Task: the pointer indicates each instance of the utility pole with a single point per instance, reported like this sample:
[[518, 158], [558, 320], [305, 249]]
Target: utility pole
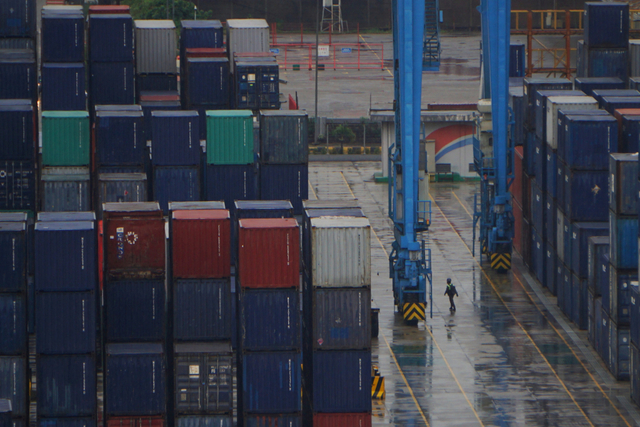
[[315, 127]]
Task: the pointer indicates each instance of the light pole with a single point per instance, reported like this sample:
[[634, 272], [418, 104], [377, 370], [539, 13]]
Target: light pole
[[195, 12]]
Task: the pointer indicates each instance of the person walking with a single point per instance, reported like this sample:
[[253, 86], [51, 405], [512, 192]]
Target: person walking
[[451, 292]]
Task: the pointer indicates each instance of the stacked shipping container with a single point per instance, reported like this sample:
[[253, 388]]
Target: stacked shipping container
[[156, 47]]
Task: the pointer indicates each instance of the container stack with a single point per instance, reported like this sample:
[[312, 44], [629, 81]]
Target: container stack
[[13, 315], [175, 156], [231, 172], [605, 49], [336, 321], [66, 320], [623, 256], [135, 315], [202, 323], [629, 127], [598, 282], [256, 81], [156, 49], [269, 336], [111, 55], [589, 84], [284, 157]]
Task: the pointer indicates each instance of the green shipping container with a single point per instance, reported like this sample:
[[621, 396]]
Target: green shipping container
[[65, 138], [229, 137]]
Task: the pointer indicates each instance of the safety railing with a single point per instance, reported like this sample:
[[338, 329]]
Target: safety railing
[[338, 56], [424, 215]]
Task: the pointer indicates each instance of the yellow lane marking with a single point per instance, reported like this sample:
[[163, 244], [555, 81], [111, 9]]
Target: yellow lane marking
[[376, 54], [461, 204], [542, 312], [350, 191], [564, 386], [312, 190]]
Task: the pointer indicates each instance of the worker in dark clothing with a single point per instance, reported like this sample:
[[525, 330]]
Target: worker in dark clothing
[[451, 291]]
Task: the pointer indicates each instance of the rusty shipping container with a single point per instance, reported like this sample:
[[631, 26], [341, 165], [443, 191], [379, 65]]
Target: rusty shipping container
[[139, 421], [134, 240], [269, 253], [201, 244]]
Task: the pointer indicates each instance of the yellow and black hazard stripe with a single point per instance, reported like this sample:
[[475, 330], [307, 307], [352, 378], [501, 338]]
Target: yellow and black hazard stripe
[[501, 262], [377, 385], [413, 311]]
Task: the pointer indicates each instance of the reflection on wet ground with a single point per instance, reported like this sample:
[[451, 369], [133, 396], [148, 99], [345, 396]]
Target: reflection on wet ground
[[506, 357]]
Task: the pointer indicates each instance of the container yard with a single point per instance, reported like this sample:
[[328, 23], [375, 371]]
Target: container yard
[[181, 245]]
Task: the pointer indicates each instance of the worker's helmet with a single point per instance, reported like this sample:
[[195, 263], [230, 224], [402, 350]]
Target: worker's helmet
[[448, 280]]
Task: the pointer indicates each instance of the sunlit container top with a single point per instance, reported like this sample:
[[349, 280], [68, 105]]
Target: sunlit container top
[[156, 46], [132, 107], [66, 216], [340, 252], [13, 216], [174, 206], [108, 9], [138, 207], [331, 204], [230, 137], [263, 205]]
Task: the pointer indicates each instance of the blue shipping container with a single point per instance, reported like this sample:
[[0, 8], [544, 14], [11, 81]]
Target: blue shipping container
[[538, 206], [534, 84], [580, 233], [62, 35], [624, 241], [67, 422], [207, 82], [156, 82], [18, 74], [586, 195], [63, 87], [598, 246], [516, 60], [175, 138], [605, 351], [66, 322], [529, 158], [541, 109], [13, 324], [606, 62], [629, 134], [119, 138], [612, 103], [112, 83], [588, 84], [600, 94], [231, 182], [619, 346], [135, 379], [603, 282], [135, 311], [13, 383], [279, 420], [550, 259], [17, 125], [341, 381], [540, 162], [552, 172], [516, 102], [271, 381], [579, 302], [175, 184], [606, 25], [110, 38], [13, 256], [560, 167], [201, 34], [149, 106], [550, 221], [221, 420], [285, 182], [623, 185], [533, 267], [587, 142], [619, 288], [284, 138], [66, 256], [202, 310], [634, 313], [17, 18], [66, 385], [269, 319], [634, 373]]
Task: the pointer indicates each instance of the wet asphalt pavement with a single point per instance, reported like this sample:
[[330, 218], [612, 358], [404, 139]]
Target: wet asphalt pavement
[[507, 357]]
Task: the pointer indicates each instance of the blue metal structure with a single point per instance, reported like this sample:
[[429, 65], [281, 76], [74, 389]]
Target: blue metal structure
[[496, 172], [409, 261], [431, 40]]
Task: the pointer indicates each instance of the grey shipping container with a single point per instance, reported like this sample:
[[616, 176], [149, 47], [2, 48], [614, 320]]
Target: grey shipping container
[[284, 137], [121, 187], [203, 377], [220, 420], [202, 310], [66, 189], [156, 46], [65, 216], [65, 322], [246, 35], [13, 383]]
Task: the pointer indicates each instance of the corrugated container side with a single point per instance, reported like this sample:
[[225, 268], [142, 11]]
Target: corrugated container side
[[285, 182], [121, 187], [203, 375], [65, 256], [284, 137], [608, 62], [201, 246], [551, 276], [270, 382], [269, 319], [231, 182], [205, 421], [552, 172], [619, 294], [19, 79], [67, 422], [17, 18], [606, 25], [588, 142], [586, 195], [560, 236], [66, 322], [580, 234], [175, 138], [64, 87], [634, 313], [341, 252], [66, 189], [550, 220], [146, 421], [111, 38], [17, 125], [112, 83], [598, 246], [342, 420], [65, 138], [341, 381], [13, 383], [624, 243], [207, 82], [516, 60], [564, 103], [269, 253], [201, 34], [175, 184], [602, 284], [623, 185], [273, 420], [537, 206], [629, 134], [13, 324], [202, 310], [247, 38], [13, 256], [62, 36], [230, 138], [66, 385], [619, 348], [135, 380], [612, 103], [539, 254], [634, 370], [17, 185], [156, 47], [135, 311]]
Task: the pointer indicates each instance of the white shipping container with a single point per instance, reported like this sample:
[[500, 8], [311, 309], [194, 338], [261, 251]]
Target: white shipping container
[[564, 103], [246, 35], [340, 252], [156, 47], [634, 58]]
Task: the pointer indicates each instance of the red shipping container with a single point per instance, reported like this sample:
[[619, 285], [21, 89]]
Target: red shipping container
[[269, 253], [142, 421], [134, 240], [516, 185], [342, 420], [517, 226], [146, 97], [206, 52], [201, 244], [109, 9]]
